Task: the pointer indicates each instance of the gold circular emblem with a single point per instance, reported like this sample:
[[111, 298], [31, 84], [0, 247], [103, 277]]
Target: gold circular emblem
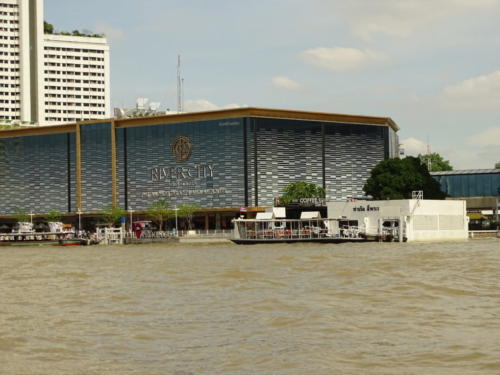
[[181, 148]]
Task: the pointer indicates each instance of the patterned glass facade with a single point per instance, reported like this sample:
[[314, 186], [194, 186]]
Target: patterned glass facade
[[37, 174], [212, 176], [469, 185], [222, 163], [96, 166]]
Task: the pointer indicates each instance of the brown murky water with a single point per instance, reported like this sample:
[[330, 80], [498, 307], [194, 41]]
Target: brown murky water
[[227, 309]]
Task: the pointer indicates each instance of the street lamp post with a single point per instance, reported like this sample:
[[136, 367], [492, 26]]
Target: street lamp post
[[131, 211], [176, 232], [31, 217]]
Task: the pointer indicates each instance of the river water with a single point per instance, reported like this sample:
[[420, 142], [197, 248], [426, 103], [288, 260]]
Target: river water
[[368, 308]]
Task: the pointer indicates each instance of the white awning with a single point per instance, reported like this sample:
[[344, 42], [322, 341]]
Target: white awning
[[310, 215], [265, 216], [279, 212]]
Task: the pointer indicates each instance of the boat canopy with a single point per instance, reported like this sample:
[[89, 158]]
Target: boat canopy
[[310, 215], [279, 212], [265, 216]]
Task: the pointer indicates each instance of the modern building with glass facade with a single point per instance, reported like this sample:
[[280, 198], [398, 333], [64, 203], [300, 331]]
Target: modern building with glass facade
[[480, 188], [219, 160], [469, 182]]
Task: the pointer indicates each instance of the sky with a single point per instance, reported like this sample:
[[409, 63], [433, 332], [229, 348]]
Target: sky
[[433, 66]]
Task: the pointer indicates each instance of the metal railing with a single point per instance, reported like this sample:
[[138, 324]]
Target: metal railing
[[211, 233], [149, 234]]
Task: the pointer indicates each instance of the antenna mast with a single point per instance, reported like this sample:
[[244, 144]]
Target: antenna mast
[[429, 162], [180, 89]]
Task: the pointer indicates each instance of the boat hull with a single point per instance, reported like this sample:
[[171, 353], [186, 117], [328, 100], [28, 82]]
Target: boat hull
[[291, 240]]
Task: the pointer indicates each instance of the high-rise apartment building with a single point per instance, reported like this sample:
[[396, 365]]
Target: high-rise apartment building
[[76, 78], [49, 78]]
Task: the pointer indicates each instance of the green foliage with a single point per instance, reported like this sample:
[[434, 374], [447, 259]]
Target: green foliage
[[80, 33], [111, 215], [397, 178], [300, 189], [159, 212], [187, 211], [54, 216], [436, 161], [497, 165], [48, 28], [21, 216], [5, 125]]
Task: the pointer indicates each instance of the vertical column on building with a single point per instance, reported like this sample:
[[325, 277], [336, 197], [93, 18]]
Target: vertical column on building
[[78, 176], [207, 222], [114, 185], [24, 60], [36, 59]]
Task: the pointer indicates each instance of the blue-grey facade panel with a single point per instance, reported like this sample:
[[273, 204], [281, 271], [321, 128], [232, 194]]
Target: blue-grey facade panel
[[96, 166], [211, 177], [351, 152], [35, 173], [470, 185]]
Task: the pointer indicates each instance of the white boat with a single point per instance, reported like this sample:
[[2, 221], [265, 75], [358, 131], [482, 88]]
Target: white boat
[[267, 228]]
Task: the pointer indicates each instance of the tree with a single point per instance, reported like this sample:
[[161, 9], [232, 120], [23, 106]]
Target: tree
[[48, 28], [159, 212], [186, 211], [21, 216], [437, 163], [497, 165], [112, 215], [53, 217], [300, 189], [397, 178]]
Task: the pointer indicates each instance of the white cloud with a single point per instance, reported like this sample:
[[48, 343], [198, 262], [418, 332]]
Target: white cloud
[[481, 152], [474, 158], [402, 18], [487, 138], [285, 83], [413, 146], [111, 33], [481, 92], [201, 105], [343, 59]]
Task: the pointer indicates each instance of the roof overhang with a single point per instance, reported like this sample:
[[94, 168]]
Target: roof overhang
[[206, 116]]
